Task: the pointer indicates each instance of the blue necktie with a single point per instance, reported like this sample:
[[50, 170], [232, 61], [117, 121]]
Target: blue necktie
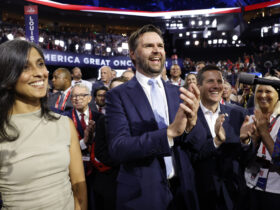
[[160, 115]]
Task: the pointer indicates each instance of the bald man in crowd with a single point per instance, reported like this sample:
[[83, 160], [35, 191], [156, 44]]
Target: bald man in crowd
[[106, 77], [61, 100], [128, 74]]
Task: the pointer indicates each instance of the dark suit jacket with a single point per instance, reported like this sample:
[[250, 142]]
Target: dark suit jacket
[[219, 172], [53, 98], [234, 102], [139, 146], [104, 183]]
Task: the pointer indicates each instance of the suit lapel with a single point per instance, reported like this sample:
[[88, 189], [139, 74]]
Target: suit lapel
[[172, 104], [140, 100], [203, 121], [224, 110]]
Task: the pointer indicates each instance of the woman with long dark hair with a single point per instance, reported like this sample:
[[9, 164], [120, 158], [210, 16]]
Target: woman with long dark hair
[[40, 159]]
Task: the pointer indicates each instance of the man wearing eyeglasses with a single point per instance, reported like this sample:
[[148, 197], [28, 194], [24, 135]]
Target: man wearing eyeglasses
[[84, 120]]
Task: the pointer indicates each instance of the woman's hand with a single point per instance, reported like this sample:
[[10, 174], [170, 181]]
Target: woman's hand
[[247, 130], [219, 130], [262, 122]]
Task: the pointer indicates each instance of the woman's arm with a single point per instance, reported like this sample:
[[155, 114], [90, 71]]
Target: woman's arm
[[76, 170]]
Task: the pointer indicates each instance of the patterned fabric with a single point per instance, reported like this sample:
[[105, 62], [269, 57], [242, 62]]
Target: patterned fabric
[[276, 150]]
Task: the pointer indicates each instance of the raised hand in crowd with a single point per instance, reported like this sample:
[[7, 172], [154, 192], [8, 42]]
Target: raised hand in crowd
[[186, 116], [247, 130], [89, 131], [219, 130], [262, 126]]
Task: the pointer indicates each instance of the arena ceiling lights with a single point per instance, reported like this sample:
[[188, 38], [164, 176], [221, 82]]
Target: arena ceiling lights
[[165, 14]]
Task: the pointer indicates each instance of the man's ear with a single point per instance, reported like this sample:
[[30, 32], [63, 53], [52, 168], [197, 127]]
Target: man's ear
[[132, 55], [90, 98]]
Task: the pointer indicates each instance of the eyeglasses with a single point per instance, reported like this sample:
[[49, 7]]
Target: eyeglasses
[[80, 96]]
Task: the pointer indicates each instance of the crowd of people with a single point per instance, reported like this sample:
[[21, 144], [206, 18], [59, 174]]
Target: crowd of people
[[262, 56], [71, 41], [148, 139]]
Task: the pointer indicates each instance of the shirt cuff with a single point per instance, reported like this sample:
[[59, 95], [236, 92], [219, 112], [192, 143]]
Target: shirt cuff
[[246, 145], [170, 142], [215, 145], [82, 144]]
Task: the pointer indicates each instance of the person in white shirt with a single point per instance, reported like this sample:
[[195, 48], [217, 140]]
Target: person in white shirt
[[77, 78], [145, 121], [175, 75], [218, 165], [263, 173]]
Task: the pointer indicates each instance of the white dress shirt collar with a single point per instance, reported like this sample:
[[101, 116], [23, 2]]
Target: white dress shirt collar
[[66, 91], [205, 110], [210, 117], [143, 80]]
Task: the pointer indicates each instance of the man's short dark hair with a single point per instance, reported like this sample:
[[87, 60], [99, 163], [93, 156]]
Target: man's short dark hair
[[204, 69], [99, 88], [133, 39]]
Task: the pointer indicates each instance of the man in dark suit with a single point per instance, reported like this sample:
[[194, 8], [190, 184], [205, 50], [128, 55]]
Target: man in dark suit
[[218, 164], [61, 101], [146, 136]]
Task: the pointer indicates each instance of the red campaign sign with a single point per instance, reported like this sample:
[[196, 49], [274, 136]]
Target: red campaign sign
[[31, 10]]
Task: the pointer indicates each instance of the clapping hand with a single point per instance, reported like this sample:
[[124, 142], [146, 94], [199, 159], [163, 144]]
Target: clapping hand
[[186, 116], [89, 131], [219, 130], [247, 130]]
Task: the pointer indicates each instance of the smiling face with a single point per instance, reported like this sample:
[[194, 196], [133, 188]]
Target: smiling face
[[175, 71], [211, 89], [33, 81], [266, 98], [149, 55], [191, 78]]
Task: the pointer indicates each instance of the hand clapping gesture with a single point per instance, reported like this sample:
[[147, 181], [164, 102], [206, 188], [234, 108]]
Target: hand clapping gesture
[[186, 116], [89, 131], [219, 130], [247, 130]]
